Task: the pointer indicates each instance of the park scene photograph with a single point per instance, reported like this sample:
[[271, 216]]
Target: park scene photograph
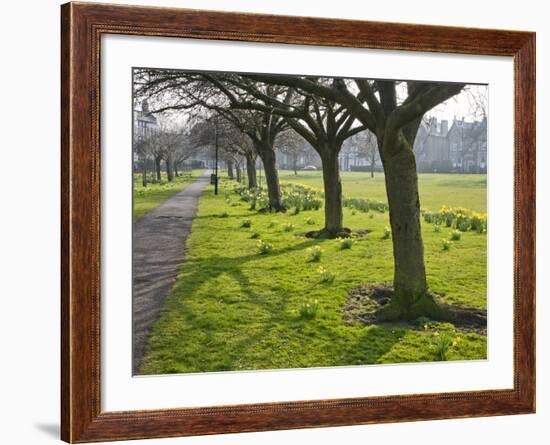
[[286, 221]]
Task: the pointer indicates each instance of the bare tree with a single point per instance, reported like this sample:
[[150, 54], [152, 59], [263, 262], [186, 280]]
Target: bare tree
[[326, 112], [395, 122], [294, 146], [322, 122], [177, 90], [363, 145]]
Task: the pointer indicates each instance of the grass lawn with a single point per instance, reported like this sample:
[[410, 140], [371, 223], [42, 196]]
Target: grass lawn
[[453, 190], [233, 308], [147, 198]]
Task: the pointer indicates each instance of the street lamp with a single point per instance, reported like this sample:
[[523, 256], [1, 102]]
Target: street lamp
[[217, 149], [214, 177]]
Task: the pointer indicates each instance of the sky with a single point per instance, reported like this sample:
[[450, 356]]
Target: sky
[[471, 104]]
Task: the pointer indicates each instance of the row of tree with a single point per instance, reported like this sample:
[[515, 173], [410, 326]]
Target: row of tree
[[253, 111]]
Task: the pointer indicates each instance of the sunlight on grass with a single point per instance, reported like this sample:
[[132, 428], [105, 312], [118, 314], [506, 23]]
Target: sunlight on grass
[[436, 190], [147, 198], [234, 308]]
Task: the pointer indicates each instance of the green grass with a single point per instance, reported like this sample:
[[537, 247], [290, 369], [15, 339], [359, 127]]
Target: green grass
[[233, 308], [147, 198], [456, 190]]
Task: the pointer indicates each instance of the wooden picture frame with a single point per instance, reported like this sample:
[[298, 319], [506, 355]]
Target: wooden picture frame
[[82, 26]]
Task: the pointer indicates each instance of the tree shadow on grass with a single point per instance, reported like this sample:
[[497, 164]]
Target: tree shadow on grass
[[194, 274], [372, 345]]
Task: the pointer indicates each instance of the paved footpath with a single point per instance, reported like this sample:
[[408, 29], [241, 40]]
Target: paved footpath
[[158, 251]]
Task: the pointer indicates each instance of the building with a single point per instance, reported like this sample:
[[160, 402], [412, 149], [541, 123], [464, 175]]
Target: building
[[468, 146], [145, 126], [360, 153], [145, 123], [460, 148]]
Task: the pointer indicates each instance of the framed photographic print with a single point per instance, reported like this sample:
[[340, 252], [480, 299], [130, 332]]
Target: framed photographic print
[[278, 222]]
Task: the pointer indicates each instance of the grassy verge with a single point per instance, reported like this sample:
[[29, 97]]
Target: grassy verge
[[234, 308], [147, 198], [452, 190]]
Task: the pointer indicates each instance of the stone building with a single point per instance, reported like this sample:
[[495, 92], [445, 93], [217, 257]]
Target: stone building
[[145, 126], [460, 148], [145, 123]]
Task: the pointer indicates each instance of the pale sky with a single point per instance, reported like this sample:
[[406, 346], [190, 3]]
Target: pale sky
[[471, 103]]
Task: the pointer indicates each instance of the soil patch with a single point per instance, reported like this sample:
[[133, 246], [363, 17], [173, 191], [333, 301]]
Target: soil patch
[[364, 300], [345, 233]]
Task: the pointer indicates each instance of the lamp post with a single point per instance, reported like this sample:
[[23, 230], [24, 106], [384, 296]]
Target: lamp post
[[217, 149]]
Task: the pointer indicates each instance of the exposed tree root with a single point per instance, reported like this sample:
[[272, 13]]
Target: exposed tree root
[[345, 232], [372, 304]]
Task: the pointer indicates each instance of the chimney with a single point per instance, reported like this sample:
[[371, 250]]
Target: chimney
[[444, 127], [433, 125], [145, 106]]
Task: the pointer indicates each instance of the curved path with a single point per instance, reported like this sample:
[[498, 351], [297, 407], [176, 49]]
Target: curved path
[[158, 250]]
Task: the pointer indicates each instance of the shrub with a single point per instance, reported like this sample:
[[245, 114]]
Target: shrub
[[463, 225], [288, 227], [310, 221], [353, 212], [264, 247], [364, 205], [271, 225], [455, 235], [346, 243], [224, 215], [255, 235], [257, 198], [441, 345], [246, 223], [437, 228], [309, 309], [387, 233], [296, 210], [446, 244], [423, 322], [371, 215], [477, 224], [301, 197], [326, 275], [458, 217], [314, 254]]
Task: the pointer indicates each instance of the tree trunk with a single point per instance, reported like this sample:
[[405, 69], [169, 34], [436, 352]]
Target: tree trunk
[[169, 173], [176, 172], [230, 169], [295, 160], [271, 178], [251, 172], [238, 172], [372, 168], [157, 167], [411, 298], [333, 194], [144, 173]]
